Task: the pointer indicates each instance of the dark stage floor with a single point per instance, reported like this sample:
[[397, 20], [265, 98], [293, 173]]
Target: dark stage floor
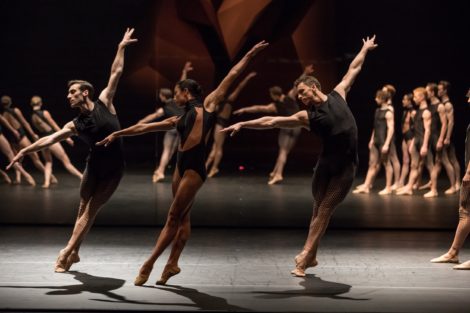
[[234, 270], [240, 200]]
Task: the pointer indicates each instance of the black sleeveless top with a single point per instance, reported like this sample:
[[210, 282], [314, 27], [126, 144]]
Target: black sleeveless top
[[410, 132], [334, 122], [435, 120], [380, 126], [40, 114], [287, 107], [419, 124], [94, 126]]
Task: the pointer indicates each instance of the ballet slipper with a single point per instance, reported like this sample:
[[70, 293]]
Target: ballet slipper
[[445, 258], [60, 263], [405, 192], [168, 272], [275, 179], [361, 190], [450, 191], [430, 194], [385, 191], [463, 266], [213, 172], [142, 277], [73, 258], [157, 177]]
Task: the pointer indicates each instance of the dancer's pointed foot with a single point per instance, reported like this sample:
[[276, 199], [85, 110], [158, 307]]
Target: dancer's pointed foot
[[446, 258], [169, 271], [73, 258], [30, 181], [54, 180], [213, 172], [450, 191], [6, 178], [275, 179], [143, 276], [425, 186], [463, 266], [60, 263], [431, 194], [157, 177], [361, 190], [302, 262], [405, 192], [385, 191]]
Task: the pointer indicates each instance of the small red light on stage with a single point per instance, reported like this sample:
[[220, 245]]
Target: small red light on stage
[[241, 168]]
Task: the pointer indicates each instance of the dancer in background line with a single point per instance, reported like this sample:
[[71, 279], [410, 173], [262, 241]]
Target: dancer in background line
[[194, 128], [171, 138], [105, 166], [45, 125], [407, 131], [224, 112], [328, 116]]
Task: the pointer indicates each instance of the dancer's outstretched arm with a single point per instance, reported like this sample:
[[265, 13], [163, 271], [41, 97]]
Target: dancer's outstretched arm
[[234, 95], [355, 67], [54, 125], [107, 94], [44, 142], [299, 119], [215, 97], [152, 116], [139, 129], [263, 108]]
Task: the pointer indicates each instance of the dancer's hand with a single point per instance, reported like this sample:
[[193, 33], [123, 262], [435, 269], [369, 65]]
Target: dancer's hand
[[235, 128], [385, 149], [257, 48], [439, 145], [107, 141], [423, 151], [18, 158], [188, 67], [238, 112], [251, 75], [446, 142], [309, 69], [127, 40], [369, 43], [70, 142]]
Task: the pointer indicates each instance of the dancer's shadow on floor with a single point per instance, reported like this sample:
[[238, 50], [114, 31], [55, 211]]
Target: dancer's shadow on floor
[[314, 287], [202, 301], [88, 283]]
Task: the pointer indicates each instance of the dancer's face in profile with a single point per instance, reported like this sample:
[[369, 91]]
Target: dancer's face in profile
[[468, 96], [418, 97], [181, 96], [274, 97], [440, 90], [76, 96], [308, 94], [406, 101]]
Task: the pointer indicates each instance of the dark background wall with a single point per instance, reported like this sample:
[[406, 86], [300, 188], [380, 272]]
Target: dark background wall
[[46, 43]]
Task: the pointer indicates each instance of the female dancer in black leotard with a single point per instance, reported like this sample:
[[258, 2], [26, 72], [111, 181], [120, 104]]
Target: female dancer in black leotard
[[171, 138], [190, 173], [105, 166], [407, 130], [282, 105], [224, 112], [45, 125], [328, 116], [7, 150]]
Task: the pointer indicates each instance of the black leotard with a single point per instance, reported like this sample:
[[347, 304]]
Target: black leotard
[[380, 127], [419, 128], [172, 109], [409, 134], [435, 125], [94, 126], [334, 122], [195, 157], [8, 134], [40, 114]]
